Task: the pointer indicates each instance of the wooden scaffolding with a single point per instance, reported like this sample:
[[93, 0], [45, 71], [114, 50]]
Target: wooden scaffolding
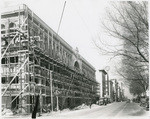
[[30, 70]]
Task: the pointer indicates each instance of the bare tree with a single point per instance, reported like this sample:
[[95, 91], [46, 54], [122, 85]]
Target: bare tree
[[128, 22], [136, 88]]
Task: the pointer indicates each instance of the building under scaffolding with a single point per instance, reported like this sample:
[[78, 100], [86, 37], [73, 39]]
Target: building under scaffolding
[[36, 61]]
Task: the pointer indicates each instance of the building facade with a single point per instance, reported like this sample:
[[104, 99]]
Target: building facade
[[115, 86], [111, 91], [37, 61], [104, 81], [118, 90]]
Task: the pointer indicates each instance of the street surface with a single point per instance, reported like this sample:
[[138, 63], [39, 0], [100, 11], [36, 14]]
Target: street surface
[[114, 110]]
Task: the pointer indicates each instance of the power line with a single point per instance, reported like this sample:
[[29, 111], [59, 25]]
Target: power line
[[84, 22], [61, 17]]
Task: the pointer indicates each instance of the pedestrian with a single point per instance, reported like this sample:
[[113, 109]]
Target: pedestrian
[[90, 105], [35, 108], [105, 101]]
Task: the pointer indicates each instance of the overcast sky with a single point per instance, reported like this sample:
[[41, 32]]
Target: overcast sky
[[79, 26]]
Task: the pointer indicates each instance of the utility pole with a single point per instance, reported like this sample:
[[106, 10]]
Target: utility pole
[[57, 103], [61, 17], [57, 100], [51, 85]]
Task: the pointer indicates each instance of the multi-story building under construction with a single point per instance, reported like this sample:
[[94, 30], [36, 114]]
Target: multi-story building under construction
[[37, 61]]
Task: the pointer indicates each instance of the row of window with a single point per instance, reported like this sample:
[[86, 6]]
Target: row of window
[[9, 59], [88, 72], [11, 25], [55, 45], [5, 80], [36, 23]]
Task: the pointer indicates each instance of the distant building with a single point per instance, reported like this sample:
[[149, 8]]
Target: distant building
[[121, 97], [118, 90], [104, 81], [115, 87], [111, 91]]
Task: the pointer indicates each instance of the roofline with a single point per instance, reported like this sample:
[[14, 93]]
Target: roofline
[[102, 70], [69, 47]]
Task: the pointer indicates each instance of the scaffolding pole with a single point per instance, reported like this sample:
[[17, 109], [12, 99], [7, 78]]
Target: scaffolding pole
[[51, 85]]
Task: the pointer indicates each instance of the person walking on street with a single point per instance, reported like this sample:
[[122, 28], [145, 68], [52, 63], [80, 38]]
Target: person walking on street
[[35, 108], [105, 101], [90, 105]]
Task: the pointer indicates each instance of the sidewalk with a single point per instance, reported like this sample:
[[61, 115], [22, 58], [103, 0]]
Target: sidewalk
[[55, 113], [29, 115]]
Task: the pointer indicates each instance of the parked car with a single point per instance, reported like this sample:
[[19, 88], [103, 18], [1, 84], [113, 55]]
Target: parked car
[[128, 101], [147, 106], [144, 102], [109, 100], [101, 101], [105, 101]]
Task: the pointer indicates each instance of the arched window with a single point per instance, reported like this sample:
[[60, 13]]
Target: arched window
[[76, 65], [2, 26], [11, 25]]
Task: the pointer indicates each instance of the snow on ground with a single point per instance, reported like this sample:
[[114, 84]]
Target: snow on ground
[[8, 113], [85, 112]]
